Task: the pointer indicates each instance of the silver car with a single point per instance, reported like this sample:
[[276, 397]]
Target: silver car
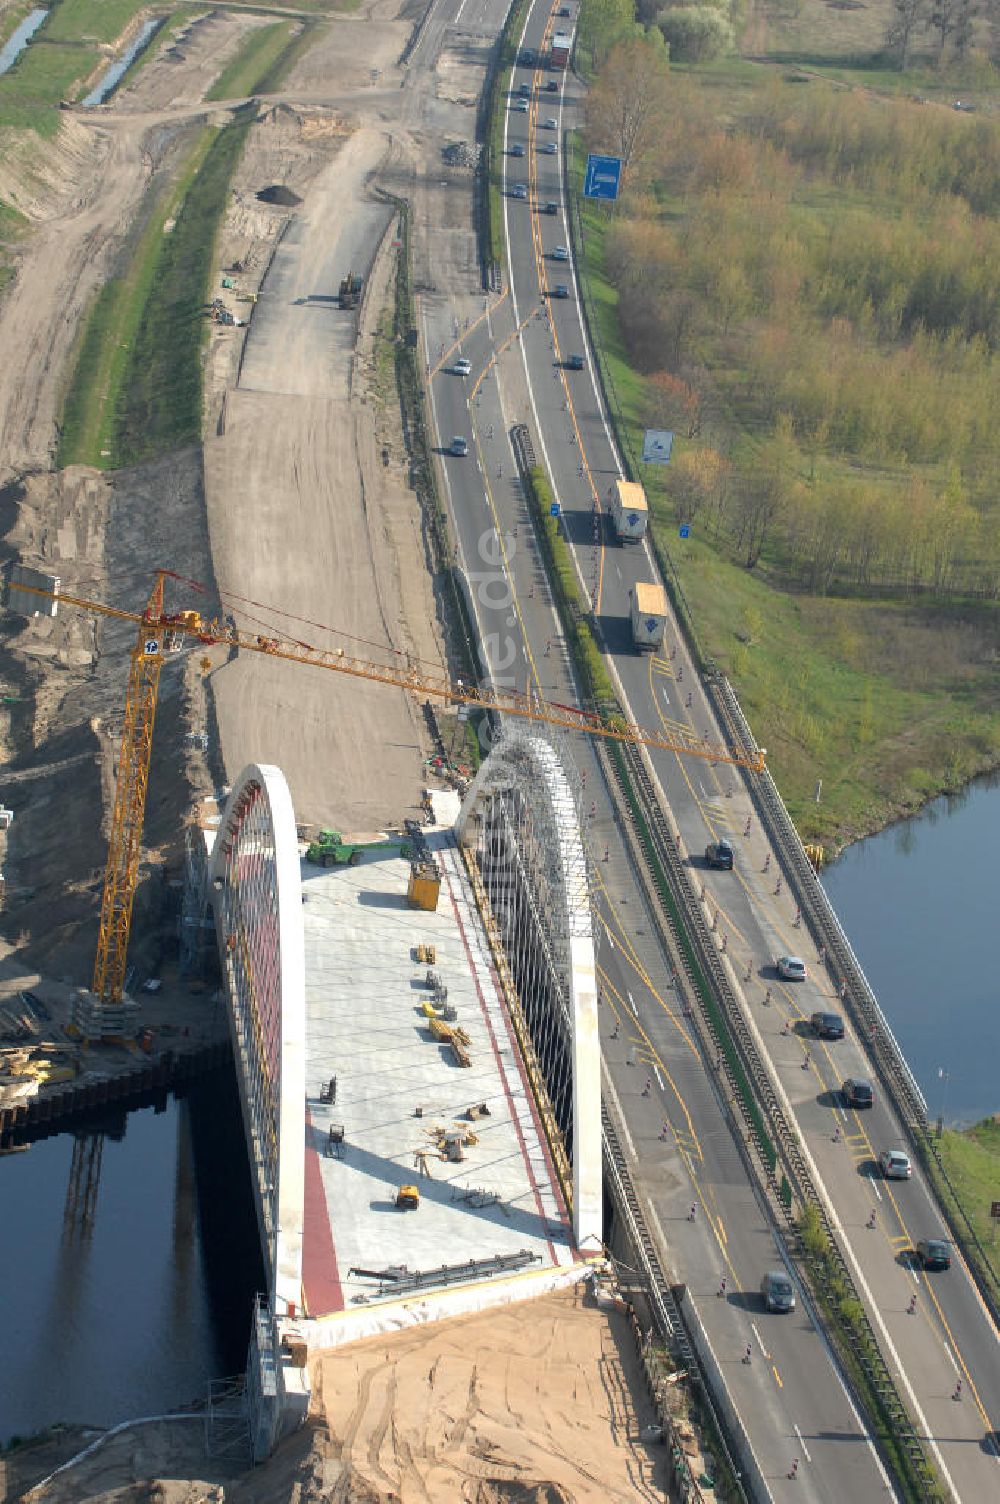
[[778, 1291], [791, 968], [895, 1165]]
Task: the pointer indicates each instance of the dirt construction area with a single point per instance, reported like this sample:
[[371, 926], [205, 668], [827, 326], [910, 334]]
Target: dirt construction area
[[534, 1404]]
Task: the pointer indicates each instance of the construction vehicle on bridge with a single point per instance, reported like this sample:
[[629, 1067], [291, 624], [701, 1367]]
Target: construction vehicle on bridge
[[331, 849], [160, 634]]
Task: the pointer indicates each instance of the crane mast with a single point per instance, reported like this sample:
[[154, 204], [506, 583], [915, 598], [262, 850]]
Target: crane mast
[[131, 783]]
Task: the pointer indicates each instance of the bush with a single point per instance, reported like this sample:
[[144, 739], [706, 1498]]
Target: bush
[[696, 33]]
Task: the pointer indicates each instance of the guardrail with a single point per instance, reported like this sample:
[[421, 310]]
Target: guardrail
[[783, 1171], [857, 994], [666, 1310]]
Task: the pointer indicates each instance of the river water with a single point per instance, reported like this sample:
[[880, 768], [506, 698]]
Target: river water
[[134, 1313], [919, 903]]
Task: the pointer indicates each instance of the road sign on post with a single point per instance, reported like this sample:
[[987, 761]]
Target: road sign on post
[[602, 177], [657, 444], [554, 509]]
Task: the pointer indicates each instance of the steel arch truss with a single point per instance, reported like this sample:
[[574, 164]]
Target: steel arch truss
[[521, 823], [254, 881]]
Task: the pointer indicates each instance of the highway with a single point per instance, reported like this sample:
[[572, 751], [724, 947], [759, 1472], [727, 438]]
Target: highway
[[944, 1350]]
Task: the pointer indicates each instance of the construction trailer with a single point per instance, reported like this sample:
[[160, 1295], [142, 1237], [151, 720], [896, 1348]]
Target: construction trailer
[[628, 510], [649, 615]]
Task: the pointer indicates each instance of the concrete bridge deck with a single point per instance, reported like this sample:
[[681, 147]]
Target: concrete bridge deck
[[398, 1091]]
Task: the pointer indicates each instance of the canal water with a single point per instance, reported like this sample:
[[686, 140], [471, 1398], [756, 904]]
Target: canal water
[[920, 906], [129, 1313]]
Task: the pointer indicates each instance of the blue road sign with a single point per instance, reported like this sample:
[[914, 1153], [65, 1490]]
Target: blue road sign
[[602, 177], [554, 509], [684, 530]]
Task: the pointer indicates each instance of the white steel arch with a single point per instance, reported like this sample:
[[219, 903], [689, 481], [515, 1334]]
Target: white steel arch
[[529, 766], [254, 881]]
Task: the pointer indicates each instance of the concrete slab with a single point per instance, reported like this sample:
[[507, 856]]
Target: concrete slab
[[365, 1027]]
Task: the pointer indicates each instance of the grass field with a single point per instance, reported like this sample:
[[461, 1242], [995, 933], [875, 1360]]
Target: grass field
[[972, 1159], [887, 701], [256, 57], [63, 53], [136, 388]]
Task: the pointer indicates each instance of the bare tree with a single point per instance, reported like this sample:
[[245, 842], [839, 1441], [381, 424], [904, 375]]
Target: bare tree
[[907, 17], [628, 106]]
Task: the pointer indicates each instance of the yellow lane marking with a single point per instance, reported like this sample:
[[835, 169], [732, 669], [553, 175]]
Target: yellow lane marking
[[457, 343], [908, 1240], [655, 1058], [777, 1375], [645, 979]]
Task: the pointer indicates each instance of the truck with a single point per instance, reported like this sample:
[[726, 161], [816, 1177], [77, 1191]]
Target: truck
[[628, 510], [350, 290], [331, 849], [649, 615], [562, 46]]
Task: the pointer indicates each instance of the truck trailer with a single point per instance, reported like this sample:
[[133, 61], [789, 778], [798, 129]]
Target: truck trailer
[[562, 46], [649, 615], [628, 510]]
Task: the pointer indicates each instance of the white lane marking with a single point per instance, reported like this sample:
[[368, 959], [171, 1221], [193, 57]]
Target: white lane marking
[[702, 788], [760, 1344], [659, 1078], [805, 1449]]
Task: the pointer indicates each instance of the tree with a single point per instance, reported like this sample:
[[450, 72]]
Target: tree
[[695, 479], [629, 105], [765, 489], [907, 17], [604, 23], [696, 33]]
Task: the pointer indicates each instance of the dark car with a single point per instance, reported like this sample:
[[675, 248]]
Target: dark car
[[720, 854], [560, 291], [827, 1025], [858, 1092], [575, 362], [934, 1253], [778, 1291], [525, 91], [551, 207], [552, 87], [517, 150]]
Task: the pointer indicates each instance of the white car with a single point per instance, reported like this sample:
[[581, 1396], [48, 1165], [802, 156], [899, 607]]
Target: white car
[[551, 124], [895, 1165], [462, 367], [560, 253], [549, 148], [520, 106], [791, 968]]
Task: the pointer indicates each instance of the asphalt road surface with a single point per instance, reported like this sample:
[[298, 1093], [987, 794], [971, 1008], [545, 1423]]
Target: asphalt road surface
[[790, 1396]]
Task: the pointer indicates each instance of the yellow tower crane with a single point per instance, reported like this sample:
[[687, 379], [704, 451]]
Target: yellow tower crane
[[160, 632]]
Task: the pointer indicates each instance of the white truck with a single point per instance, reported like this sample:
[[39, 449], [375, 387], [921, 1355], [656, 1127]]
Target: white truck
[[649, 615], [628, 510]]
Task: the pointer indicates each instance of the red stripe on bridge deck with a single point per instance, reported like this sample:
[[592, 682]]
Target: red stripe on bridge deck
[[321, 1285]]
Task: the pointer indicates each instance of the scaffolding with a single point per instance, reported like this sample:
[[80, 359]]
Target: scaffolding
[[196, 929]]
